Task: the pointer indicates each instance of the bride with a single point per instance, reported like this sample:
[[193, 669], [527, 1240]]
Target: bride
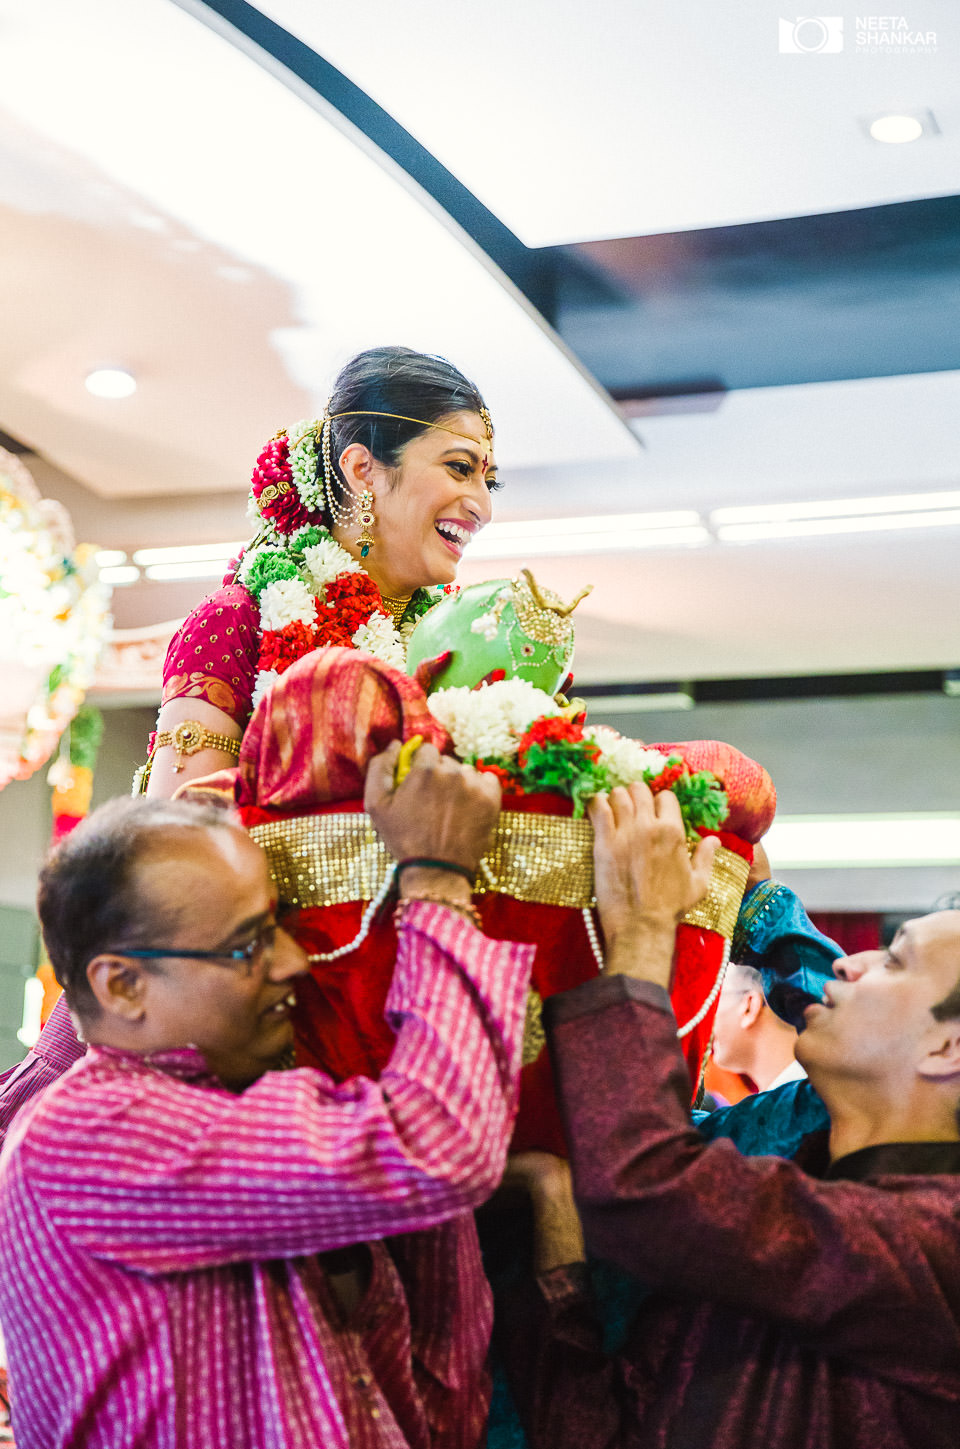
[[363, 515]]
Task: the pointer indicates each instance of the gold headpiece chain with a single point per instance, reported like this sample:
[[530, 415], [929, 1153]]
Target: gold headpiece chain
[[402, 418], [372, 413]]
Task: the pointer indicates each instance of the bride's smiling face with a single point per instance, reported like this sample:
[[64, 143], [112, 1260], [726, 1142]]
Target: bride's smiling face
[[427, 510]]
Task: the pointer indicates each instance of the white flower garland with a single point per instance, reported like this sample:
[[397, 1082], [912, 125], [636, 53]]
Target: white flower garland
[[266, 679], [321, 558], [307, 479], [379, 638], [627, 760], [490, 720], [288, 601]]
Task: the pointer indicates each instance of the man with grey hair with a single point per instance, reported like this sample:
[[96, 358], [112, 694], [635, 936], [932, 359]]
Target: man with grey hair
[[748, 1037]]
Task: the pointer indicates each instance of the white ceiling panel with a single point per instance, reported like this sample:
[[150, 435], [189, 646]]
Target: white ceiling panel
[[575, 121], [170, 206]]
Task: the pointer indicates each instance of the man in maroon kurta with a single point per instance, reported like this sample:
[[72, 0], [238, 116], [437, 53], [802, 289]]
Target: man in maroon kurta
[[793, 1305]]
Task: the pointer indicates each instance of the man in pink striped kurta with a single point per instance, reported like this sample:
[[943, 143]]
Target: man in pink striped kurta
[[176, 1220]]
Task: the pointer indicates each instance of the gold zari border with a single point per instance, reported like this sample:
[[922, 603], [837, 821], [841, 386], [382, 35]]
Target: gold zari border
[[327, 860], [720, 906], [324, 860]]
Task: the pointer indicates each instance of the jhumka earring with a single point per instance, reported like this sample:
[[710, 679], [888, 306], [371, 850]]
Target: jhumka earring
[[367, 521]]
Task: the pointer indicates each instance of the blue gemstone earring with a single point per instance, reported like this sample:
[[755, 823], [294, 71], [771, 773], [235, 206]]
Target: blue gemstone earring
[[367, 521]]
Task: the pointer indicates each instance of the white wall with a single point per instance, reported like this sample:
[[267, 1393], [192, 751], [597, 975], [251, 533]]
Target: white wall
[[873, 754], [25, 821]]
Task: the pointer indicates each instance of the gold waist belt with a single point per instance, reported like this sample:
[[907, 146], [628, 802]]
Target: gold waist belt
[[327, 860]]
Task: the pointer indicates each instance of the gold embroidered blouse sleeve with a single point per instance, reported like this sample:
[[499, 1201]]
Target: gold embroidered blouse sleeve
[[165, 778]]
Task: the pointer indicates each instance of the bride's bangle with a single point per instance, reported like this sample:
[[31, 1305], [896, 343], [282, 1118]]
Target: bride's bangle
[[469, 912], [190, 737]]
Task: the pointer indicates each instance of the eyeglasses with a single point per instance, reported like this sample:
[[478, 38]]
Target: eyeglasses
[[260, 947]]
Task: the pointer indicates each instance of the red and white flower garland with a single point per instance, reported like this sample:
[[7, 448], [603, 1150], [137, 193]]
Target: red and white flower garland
[[532, 744]]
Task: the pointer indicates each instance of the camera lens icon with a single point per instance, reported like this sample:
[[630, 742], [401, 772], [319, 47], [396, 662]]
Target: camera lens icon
[[812, 35]]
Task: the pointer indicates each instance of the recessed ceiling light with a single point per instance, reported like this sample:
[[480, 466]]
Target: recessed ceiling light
[[894, 130], [112, 382], [901, 126]]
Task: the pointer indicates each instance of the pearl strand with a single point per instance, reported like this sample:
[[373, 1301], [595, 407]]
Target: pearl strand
[[593, 937], [694, 1021], [366, 921], [340, 514], [717, 986]]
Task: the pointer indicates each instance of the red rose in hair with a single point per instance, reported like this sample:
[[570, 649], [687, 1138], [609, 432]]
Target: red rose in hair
[[272, 471]]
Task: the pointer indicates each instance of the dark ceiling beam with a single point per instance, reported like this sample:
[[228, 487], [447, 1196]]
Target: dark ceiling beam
[[525, 267], [799, 686]]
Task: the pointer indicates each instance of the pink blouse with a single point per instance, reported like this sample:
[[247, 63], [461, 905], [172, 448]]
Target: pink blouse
[[214, 654]]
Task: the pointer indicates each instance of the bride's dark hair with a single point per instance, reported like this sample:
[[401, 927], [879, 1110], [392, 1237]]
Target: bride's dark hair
[[415, 385]]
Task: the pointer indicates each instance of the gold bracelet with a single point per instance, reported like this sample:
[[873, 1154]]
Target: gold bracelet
[[469, 913], [192, 736]]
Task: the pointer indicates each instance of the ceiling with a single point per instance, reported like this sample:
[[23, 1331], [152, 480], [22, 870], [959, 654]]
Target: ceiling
[[572, 202], [573, 122], [166, 203]]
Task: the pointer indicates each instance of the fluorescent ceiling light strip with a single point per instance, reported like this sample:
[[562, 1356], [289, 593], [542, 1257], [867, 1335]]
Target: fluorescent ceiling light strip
[[109, 558], [595, 523], [117, 575], [613, 542], [637, 703], [836, 508], [809, 842], [187, 553], [200, 569], [818, 527]]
